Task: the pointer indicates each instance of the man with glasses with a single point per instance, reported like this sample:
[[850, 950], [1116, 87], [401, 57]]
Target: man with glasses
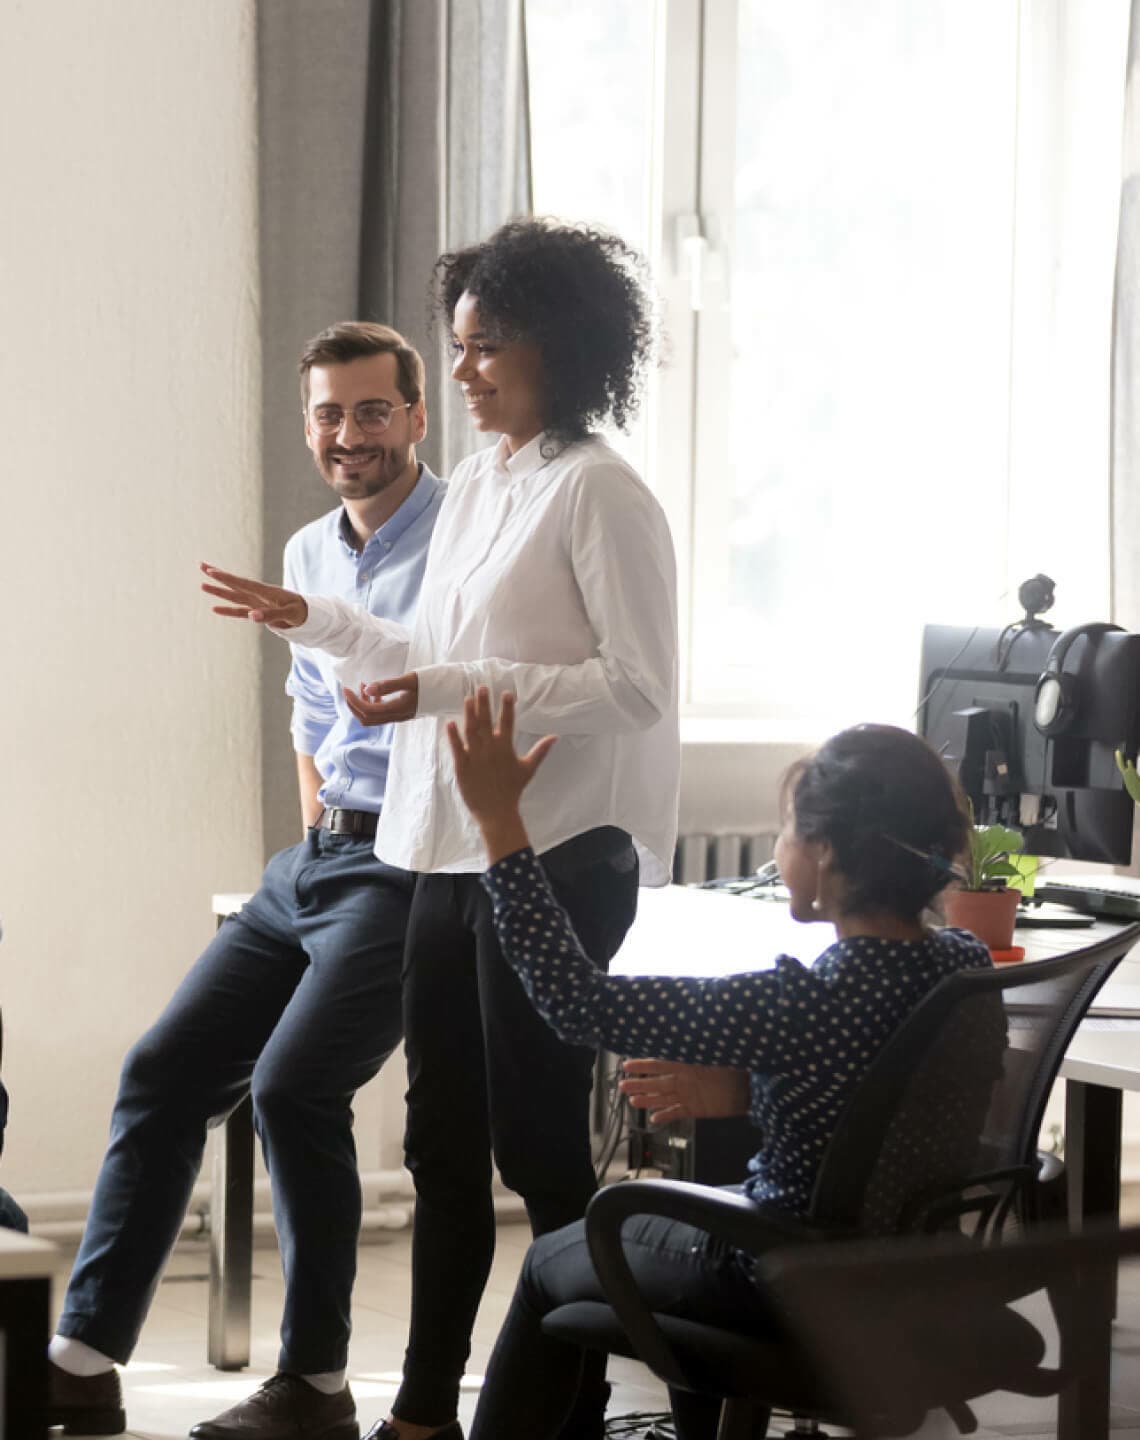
[[297, 999]]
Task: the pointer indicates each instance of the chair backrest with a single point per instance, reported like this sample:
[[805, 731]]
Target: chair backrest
[[896, 1328], [960, 1088]]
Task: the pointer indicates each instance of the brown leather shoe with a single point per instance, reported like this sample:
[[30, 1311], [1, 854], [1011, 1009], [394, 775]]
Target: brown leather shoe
[[85, 1404], [285, 1408], [383, 1431]]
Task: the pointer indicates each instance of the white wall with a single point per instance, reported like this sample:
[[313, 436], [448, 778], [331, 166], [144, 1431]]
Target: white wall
[[129, 410], [733, 787]]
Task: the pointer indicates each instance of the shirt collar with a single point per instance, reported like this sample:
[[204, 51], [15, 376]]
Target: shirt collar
[[422, 494], [348, 536], [523, 463]]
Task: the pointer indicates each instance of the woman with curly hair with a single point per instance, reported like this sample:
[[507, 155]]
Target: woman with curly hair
[[551, 578]]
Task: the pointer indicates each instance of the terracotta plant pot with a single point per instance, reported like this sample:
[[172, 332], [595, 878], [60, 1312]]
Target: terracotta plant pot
[[988, 914]]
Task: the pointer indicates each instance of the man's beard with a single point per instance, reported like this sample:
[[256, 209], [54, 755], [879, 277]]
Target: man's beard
[[386, 469]]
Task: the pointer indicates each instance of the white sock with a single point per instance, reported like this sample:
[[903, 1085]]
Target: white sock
[[77, 1358], [328, 1382]]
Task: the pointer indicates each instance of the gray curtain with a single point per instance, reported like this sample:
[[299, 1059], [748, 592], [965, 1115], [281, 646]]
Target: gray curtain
[[1125, 452], [389, 131], [447, 159]]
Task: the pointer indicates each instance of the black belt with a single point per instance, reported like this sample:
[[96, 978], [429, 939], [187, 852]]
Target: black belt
[[349, 822]]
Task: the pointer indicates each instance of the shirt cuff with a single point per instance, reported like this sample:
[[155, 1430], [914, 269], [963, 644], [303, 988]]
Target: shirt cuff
[[442, 689], [319, 624], [513, 873]]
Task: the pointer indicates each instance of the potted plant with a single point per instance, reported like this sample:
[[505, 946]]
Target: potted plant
[[984, 903]]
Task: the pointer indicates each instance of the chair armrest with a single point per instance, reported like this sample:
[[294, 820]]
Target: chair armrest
[[730, 1217], [978, 1205], [725, 1213]]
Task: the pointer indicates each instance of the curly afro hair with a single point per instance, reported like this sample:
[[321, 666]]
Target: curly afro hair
[[581, 296]]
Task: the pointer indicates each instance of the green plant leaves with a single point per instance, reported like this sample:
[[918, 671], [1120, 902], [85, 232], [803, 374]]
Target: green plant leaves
[[1131, 778], [989, 847]]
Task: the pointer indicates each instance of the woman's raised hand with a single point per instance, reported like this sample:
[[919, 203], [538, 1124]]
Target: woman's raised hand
[[490, 775], [255, 600]]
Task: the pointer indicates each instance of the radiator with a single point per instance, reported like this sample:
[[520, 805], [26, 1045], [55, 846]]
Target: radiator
[[700, 857]]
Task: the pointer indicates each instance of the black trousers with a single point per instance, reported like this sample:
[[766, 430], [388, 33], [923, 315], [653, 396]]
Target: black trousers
[[679, 1270], [488, 1076]]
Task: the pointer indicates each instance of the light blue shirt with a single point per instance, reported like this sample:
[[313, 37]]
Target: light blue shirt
[[384, 578]]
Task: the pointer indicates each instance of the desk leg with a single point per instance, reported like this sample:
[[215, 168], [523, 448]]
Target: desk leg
[[24, 1331], [1093, 1115], [231, 1241]]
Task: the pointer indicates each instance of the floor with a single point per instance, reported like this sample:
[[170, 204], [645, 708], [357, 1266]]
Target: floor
[[169, 1386]]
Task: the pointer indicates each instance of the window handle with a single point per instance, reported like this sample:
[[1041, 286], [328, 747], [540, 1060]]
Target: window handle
[[696, 254], [690, 248]]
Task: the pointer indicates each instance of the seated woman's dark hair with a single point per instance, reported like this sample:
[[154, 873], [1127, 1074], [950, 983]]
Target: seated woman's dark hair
[[577, 293], [892, 813]]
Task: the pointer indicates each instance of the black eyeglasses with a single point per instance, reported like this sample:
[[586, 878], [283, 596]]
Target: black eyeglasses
[[372, 416]]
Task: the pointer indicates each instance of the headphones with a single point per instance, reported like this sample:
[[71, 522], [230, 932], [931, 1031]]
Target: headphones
[[1055, 698]]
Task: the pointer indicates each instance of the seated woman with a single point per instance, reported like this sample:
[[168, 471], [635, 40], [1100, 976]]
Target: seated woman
[[873, 826]]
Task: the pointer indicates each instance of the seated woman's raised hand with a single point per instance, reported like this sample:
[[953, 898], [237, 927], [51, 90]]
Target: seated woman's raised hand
[[490, 774]]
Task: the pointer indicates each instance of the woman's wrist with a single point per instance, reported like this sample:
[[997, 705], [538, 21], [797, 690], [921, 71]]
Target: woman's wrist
[[503, 835]]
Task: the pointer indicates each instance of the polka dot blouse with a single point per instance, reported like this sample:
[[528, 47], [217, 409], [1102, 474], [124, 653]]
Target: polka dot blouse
[[807, 1034]]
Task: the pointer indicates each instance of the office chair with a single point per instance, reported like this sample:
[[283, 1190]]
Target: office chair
[[940, 1135], [893, 1329]]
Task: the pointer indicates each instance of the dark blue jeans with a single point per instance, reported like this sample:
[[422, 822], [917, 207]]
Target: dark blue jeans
[[297, 1000], [532, 1379]]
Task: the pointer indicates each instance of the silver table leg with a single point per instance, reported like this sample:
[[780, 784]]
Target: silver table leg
[[231, 1241]]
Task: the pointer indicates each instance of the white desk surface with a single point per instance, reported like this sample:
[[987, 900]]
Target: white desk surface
[[682, 931], [25, 1257], [679, 931], [228, 904], [1104, 1057]]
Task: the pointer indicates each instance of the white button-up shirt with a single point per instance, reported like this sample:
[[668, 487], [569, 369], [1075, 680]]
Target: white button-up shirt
[[555, 579]]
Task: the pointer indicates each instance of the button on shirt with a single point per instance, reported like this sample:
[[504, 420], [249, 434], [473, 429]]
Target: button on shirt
[[806, 1034], [553, 578], [386, 577]]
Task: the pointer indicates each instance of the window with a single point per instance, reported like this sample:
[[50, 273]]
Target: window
[[593, 139], [884, 236]]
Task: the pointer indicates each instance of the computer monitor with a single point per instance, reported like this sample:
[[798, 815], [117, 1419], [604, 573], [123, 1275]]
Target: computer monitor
[[1062, 791]]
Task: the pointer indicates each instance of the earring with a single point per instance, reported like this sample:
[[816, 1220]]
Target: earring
[[817, 903]]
